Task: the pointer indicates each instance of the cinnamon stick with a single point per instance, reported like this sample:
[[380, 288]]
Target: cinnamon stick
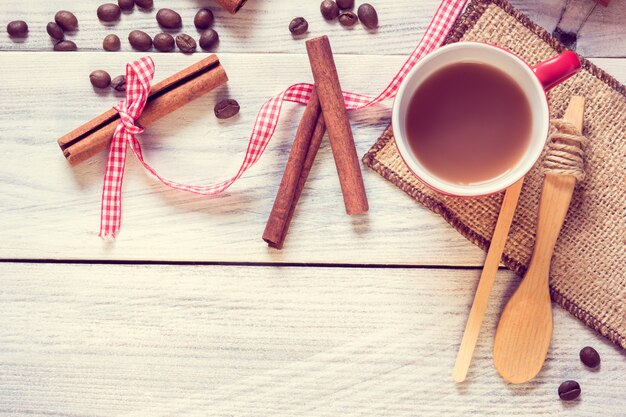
[[337, 124], [314, 146], [232, 6], [165, 97], [303, 151]]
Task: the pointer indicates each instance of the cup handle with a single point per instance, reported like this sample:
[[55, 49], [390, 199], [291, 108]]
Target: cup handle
[[556, 70]]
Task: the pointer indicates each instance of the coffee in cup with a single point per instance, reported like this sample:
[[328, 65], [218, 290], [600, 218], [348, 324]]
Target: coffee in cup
[[471, 119]]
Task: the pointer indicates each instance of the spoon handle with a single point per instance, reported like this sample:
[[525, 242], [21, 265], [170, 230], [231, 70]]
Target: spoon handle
[[556, 196]]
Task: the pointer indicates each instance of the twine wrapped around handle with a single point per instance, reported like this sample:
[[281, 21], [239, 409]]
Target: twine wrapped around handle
[[565, 155]]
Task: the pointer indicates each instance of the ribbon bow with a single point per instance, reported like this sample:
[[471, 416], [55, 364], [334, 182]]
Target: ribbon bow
[[140, 73], [138, 77]]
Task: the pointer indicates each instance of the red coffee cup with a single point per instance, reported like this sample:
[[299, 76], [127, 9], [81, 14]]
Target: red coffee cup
[[533, 81]]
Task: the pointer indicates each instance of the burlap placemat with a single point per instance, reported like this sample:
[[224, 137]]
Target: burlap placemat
[[588, 276]]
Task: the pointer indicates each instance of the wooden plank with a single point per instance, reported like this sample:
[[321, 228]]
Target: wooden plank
[[50, 210], [603, 34], [94, 340], [262, 25]]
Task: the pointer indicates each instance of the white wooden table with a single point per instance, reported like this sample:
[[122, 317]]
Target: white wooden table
[[188, 312]]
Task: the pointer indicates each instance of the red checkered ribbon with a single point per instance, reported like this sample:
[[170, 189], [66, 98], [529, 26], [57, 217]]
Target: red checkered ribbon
[[140, 73]]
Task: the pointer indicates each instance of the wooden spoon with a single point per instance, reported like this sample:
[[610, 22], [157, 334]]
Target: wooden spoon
[[525, 328]]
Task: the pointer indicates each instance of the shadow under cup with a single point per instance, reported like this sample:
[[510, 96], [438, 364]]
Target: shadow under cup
[[464, 52]]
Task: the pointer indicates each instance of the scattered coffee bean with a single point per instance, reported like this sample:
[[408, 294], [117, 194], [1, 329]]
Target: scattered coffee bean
[[109, 12], [209, 39], [111, 43], [100, 79], [348, 19], [169, 19], [345, 4], [186, 43], [368, 16], [55, 31], [204, 19], [145, 4], [126, 5], [569, 390], [17, 29], [65, 46], [119, 83], [139, 40], [226, 109], [329, 9], [164, 42], [590, 357], [298, 26], [66, 20]]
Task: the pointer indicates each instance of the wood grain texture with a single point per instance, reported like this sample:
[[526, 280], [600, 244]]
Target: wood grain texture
[[603, 34], [262, 25], [104, 340], [51, 210], [97, 340]]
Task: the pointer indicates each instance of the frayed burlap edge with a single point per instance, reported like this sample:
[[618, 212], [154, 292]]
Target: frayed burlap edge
[[470, 16]]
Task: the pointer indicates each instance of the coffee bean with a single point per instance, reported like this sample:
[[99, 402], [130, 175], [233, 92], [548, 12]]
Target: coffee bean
[[169, 19], [298, 26], [345, 4], [119, 83], [209, 39], [329, 9], [139, 40], [111, 43], [66, 20], [368, 16], [226, 109], [569, 390], [348, 19], [590, 357], [204, 19], [186, 43], [55, 31], [17, 29], [145, 4], [109, 12], [65, 46], [100, 79], [126, 5], [164, 42]]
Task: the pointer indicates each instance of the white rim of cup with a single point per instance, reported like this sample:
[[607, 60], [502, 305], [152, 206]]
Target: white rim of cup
[[497, 184]]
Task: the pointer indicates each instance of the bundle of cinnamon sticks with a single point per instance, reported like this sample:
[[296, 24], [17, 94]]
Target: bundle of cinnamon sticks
[[324, 111], [170, 94]]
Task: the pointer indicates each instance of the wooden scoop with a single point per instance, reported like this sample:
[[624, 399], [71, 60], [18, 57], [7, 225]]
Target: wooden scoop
[[525, 328]]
